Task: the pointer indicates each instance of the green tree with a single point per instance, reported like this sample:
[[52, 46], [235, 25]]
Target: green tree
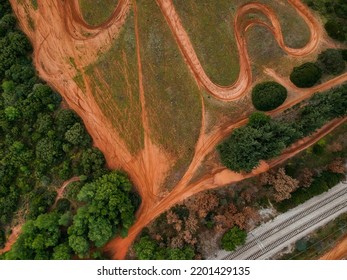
[[268, 96], [331, 62], [11, 113], [77, 135], [233, 238], [62, 252], [306, 75], [146, 249]]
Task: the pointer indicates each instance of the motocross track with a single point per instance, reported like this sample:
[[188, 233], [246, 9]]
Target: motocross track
[[60, 33], [339, 252]]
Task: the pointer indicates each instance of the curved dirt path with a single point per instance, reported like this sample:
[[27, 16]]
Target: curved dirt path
[[244, 81], [216, 178], [339, 252], [61, 34]]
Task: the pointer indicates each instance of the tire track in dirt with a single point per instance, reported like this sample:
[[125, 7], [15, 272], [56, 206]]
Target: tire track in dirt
[[218, 177], [244, 81]]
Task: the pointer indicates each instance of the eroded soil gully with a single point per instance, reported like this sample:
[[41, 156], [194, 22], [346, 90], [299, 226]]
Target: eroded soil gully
[[61, 35]]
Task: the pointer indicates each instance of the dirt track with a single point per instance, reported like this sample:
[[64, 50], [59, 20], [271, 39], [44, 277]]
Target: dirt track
[[339, 252], [60, 33]]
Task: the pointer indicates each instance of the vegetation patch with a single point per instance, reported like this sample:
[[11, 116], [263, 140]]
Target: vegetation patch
[[263, 138], [306, 75], [268, 96], [335, 13], [233, 238], [210, 29], [331, 62], [114, 83], [173, 102], [97, 12]]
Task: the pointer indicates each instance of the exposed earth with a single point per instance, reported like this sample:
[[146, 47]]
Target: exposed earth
[[65, 45]]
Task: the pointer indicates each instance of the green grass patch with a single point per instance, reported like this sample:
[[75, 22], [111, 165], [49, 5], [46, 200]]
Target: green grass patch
[[172, 96], [95, 12], [114, 83], [210, 29]]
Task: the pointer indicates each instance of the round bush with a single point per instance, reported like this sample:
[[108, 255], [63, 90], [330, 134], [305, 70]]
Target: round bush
[[306, 75], [268, 96], [336, 29], [233, 238], [331, 62]]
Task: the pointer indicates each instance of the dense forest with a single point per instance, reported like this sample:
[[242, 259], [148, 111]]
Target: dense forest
[[43, 144]]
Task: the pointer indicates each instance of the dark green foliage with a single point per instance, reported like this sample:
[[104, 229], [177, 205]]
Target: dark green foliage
[[344, 54], [63, 205], [7, 23], [40, 201], [40, 240], [2, 238], [148, 249], [233, 238], [77, 136], [340, 9], [306, 75], [336, 29], [92, 162], [263, 138], [320, 184], [336, 14], [107, 210], [331, 62], [268, 96]]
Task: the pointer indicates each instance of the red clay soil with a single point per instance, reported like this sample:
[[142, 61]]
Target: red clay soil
[[339, 252], [12, 238], [60, 34]]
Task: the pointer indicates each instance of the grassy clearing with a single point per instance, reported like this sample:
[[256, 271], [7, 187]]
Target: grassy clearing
[[114, 82], [172, 96], [295, 30], [210, 28], [96, 12]]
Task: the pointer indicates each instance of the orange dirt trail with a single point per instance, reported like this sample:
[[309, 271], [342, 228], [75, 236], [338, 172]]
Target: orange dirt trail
[[339, 252], [61, 35]]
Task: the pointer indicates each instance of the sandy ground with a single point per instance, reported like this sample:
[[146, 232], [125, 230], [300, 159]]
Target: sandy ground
[[61, 34], [339, 252]]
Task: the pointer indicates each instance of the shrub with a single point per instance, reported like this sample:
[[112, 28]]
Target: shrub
[[233, 238], [336, 30], [331, 62], [306, 75], [268, 96]]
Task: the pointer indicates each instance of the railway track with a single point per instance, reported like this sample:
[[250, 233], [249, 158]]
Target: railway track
[[285, 224], [293, 233]]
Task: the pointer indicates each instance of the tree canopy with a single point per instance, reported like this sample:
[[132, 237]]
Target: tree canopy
[[267, 96], [233, 238], [306, 75], [108, 210]]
